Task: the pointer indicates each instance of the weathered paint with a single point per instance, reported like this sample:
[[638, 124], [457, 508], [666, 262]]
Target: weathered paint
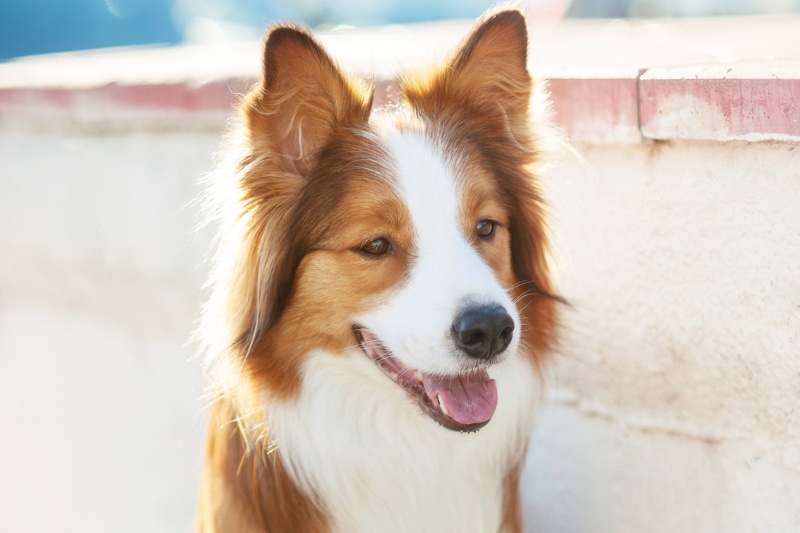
[[759, 102]]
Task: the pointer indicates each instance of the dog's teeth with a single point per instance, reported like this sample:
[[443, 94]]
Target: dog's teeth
[[442, 406], [418, 375]]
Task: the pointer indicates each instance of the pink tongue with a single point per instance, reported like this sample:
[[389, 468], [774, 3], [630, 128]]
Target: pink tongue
[[470, 399]]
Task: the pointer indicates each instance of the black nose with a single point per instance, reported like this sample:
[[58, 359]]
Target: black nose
[[483, 331]]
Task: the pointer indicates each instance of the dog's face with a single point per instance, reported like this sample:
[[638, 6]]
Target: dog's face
[[414, 234], [448, 317]]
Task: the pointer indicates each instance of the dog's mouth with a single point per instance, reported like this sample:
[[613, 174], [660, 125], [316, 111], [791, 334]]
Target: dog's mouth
[[463, 402]]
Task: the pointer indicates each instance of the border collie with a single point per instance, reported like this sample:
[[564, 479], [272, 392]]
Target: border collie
[[381, 302]]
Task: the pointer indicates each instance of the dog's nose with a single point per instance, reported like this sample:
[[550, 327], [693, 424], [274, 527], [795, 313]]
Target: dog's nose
[[483, 331]]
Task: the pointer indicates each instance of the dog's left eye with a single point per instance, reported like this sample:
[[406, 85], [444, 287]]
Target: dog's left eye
[[376, 247], [484, 229]]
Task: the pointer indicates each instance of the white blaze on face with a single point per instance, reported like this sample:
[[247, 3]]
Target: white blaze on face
[[446, 273]]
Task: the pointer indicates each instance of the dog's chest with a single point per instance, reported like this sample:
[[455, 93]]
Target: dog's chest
[[378, 464]]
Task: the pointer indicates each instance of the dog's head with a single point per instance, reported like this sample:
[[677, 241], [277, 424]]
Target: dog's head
[[414, 231]]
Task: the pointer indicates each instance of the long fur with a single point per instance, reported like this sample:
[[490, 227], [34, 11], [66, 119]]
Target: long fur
[[306, 433]]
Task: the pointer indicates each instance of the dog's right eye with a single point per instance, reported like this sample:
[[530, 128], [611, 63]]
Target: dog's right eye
[[376, 247], [485, 229]]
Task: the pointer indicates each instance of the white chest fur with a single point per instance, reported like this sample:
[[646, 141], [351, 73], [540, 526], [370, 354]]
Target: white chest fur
[[356, 439]]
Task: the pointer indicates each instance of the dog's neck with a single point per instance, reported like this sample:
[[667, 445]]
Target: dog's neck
[[366, 451]]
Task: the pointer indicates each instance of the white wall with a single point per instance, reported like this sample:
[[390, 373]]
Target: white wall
[[101, 422], [674, 399]]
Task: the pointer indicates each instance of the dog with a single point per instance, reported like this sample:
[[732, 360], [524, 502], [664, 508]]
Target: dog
[[381, 299]]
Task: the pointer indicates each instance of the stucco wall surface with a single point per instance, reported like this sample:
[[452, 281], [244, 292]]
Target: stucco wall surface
[[101, 410], [675, 395]]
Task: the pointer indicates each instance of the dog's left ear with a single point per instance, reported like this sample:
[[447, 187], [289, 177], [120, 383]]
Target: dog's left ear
[[488, 70]]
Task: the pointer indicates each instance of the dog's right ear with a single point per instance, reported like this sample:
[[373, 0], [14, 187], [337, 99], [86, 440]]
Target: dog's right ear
[[302, 97]]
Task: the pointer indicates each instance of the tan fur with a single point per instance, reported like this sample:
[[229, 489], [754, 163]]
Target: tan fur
[[246, 488]]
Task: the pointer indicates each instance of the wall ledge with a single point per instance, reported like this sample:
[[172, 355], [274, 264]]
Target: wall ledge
[[611, 82]]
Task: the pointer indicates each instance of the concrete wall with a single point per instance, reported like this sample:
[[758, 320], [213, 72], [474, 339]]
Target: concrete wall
[[675, 396], [673, 400], [101, 418]]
